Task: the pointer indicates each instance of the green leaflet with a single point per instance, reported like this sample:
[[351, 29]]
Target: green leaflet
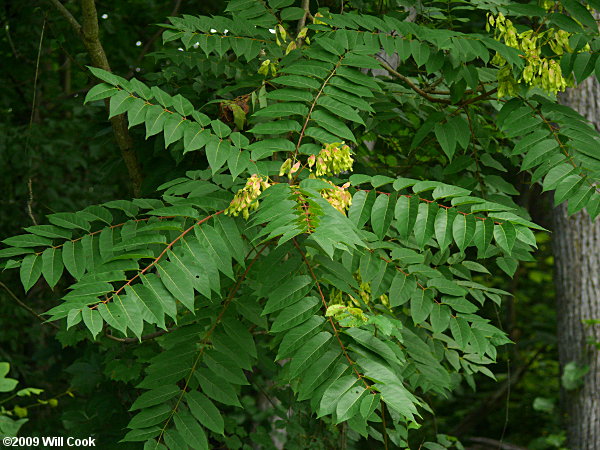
[[147, 418], [312, 349], [401, 289], [446, 136], [288, 293], [463, 229], [149, 305], [398, 398], [332, 124], [221, 392], [505, 236], [173, 129], [92, 320], [443, 226], [155, 397], [369, 341], [333, 394], [99, 92], [424, 223], [205, 411], [30, 271], [177, 283], [382, 213], [439, 317], [318, 372], [225, 367], [405, 212], [461, 332], [52, 265], [348, 405], [194, 137], [27, 240], [190, 430], [296, 314], [113, 316], [120, 102], [421, 305], [295, 338], [217, 152], [361, 208]]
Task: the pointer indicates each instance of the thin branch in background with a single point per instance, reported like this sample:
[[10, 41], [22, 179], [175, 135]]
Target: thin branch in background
[[33, 102], [26, 307], [508, 385], [67, 15], [146, 337], [413, 86], [492, 443], [30, 200]]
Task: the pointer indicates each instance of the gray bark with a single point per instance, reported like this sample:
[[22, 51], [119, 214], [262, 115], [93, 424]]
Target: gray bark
[[576, 243]]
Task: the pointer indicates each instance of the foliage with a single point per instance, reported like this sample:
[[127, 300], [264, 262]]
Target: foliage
[[359, 298], [11, 420]]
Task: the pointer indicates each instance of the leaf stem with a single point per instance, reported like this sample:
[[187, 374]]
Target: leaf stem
[[335, 330], [26, 307], [155, 261]]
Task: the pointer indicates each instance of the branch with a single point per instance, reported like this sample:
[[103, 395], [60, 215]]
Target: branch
[[413, 86], [23, 305], [425, 95], [67, 15], [88, 31], [306, 7]]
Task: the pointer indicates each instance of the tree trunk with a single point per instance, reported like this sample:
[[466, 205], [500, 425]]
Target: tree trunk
[[576, 243]]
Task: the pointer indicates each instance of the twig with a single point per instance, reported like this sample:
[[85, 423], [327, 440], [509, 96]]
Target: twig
[[35, 80], [67, 15], [25, 306], [30, 200], [493, 443], [135, 340], [413, 86]]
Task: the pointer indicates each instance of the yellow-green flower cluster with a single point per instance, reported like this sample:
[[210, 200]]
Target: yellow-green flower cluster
[[539, 70], [333, 159], [245, 199], [338, 197]]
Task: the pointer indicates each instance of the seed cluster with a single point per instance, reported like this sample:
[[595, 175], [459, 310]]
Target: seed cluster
[[245, 199], [541, 71], [331, 160]]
